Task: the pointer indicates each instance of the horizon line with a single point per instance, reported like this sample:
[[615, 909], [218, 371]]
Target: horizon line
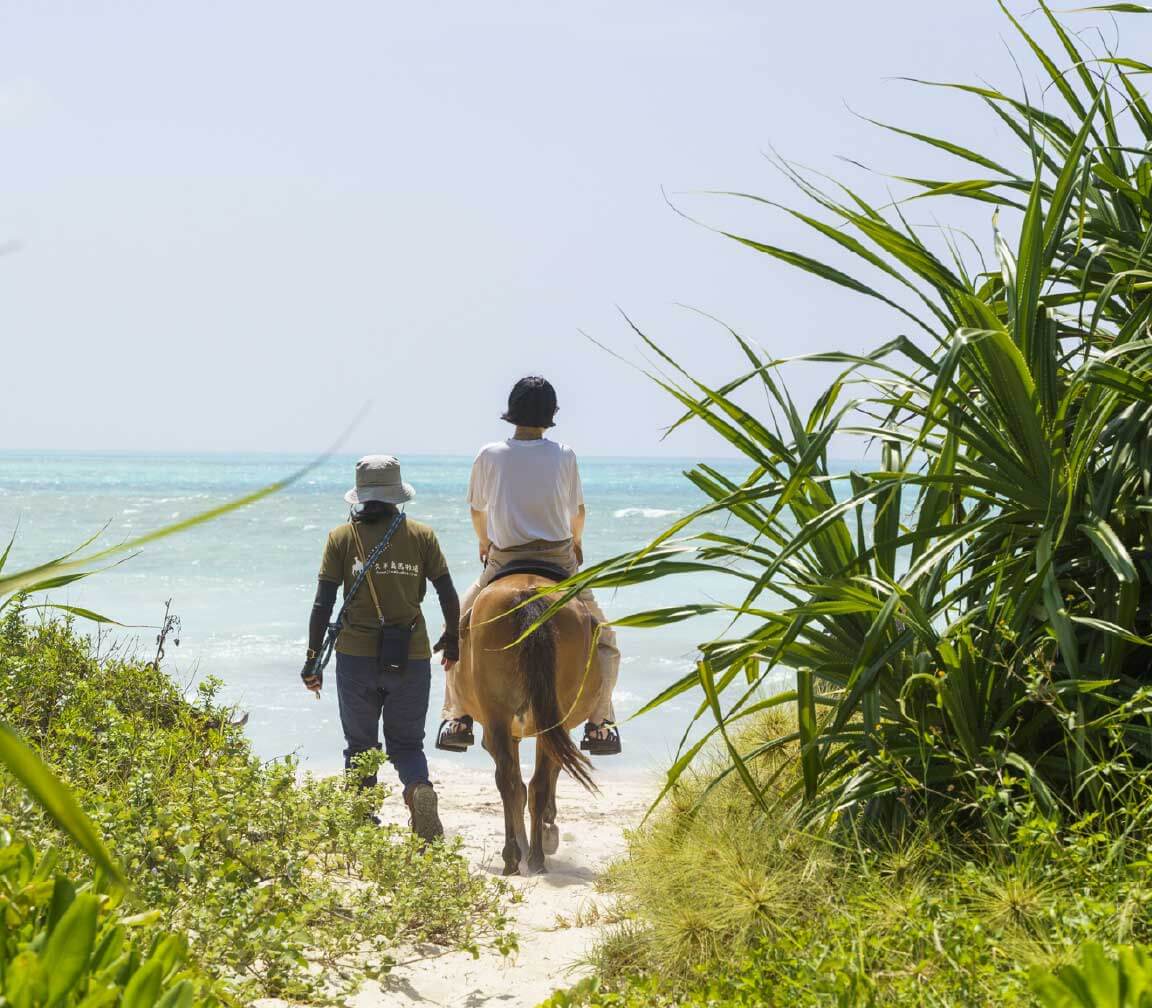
[[269, 453]]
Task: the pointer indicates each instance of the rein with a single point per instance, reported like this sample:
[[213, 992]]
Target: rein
[[580, 692]]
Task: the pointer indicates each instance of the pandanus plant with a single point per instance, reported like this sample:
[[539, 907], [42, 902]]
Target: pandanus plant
[[975, 609]]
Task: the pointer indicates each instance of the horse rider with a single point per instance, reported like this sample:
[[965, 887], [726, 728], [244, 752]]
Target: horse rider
[[527, 505], [383, 658]]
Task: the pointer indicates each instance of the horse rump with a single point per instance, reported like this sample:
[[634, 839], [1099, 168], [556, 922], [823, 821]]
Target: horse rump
[[538, 670]]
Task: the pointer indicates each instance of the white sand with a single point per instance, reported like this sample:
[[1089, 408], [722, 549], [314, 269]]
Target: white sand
[[560, 915]]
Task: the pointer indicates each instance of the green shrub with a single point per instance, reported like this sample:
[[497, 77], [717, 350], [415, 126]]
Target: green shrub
[[65, 943], [281, 886], [727, 905]]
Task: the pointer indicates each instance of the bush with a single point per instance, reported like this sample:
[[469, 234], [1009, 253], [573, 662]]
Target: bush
[[283, 887], [730, 906]]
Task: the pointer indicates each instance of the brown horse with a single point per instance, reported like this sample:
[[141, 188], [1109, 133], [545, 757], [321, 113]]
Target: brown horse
[[542, 687]]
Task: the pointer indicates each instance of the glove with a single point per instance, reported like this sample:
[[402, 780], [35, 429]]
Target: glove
[[311, 674], [449, 643]]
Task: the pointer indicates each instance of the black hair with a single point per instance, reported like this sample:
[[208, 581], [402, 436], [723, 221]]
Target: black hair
[[371, 511], [531, 403]]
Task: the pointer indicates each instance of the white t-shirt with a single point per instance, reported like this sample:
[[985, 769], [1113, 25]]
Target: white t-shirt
[[529, 489]]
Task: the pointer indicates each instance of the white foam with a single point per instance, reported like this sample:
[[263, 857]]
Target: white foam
[[644, 512]]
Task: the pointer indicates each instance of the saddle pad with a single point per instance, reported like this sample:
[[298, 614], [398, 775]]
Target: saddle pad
[[536, 567]]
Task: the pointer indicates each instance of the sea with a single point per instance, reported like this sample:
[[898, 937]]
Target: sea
[[242, 585]]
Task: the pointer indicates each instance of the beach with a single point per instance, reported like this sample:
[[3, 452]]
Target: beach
[[558, 916]]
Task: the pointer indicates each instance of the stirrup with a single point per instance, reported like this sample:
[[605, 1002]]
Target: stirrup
[[609, 746], [457, 741]]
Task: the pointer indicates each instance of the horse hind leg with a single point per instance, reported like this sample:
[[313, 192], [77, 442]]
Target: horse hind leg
[[504, 749], [542, 805], [551, 830]]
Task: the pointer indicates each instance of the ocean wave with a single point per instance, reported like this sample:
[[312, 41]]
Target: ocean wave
[[645, 512], [627, 700], [248, 646]]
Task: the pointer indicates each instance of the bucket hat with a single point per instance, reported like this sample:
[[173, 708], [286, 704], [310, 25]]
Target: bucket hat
[[378, 479], [531, 403]]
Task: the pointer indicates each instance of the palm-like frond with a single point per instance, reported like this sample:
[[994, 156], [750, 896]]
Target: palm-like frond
[[978, 607]]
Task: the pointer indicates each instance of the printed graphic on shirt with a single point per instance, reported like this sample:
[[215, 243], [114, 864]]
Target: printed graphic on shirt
[[388, 567]]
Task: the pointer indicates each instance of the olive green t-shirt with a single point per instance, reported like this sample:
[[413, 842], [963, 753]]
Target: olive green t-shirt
[[408, 563]]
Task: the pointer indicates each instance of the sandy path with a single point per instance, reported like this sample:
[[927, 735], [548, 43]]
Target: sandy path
[[555, 920]]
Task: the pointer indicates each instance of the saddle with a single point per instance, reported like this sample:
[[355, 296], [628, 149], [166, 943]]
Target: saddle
[[540, 568]]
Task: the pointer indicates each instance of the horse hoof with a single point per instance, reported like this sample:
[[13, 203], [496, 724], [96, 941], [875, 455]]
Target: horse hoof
[[551, 838], [511, 870], [537, 869]]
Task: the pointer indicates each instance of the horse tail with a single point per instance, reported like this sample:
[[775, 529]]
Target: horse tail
[[538, 671]]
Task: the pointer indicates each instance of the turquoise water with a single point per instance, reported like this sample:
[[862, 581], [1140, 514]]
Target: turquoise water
[[243, 585]]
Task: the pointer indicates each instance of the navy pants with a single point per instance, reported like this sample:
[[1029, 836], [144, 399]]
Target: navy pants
[[398, 701]]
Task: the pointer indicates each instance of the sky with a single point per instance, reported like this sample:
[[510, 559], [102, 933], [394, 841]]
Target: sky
[[234, 224]]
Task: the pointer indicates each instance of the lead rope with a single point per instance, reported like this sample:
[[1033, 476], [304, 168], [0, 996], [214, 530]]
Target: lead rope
[[583, 682], [368, 572]]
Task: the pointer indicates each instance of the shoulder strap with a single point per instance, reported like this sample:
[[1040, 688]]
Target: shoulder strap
[[368, 573], [369, 563]]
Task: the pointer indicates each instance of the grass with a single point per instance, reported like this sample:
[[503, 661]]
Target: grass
[[727, 906]]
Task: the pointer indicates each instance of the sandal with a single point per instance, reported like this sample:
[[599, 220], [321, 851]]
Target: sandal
[[458, 740], [596, 744]]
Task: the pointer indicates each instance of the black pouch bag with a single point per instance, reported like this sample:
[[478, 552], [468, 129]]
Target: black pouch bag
[[393, 641], [392, 647]]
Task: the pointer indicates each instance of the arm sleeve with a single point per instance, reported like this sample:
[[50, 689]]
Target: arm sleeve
[[449, 606], [477, 489], [321, 613]]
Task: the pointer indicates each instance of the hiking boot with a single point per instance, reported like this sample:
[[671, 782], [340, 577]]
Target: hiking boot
[[422, 804]]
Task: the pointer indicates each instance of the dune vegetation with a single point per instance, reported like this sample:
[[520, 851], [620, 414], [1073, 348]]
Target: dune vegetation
[[954, 800], [175, 867]]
